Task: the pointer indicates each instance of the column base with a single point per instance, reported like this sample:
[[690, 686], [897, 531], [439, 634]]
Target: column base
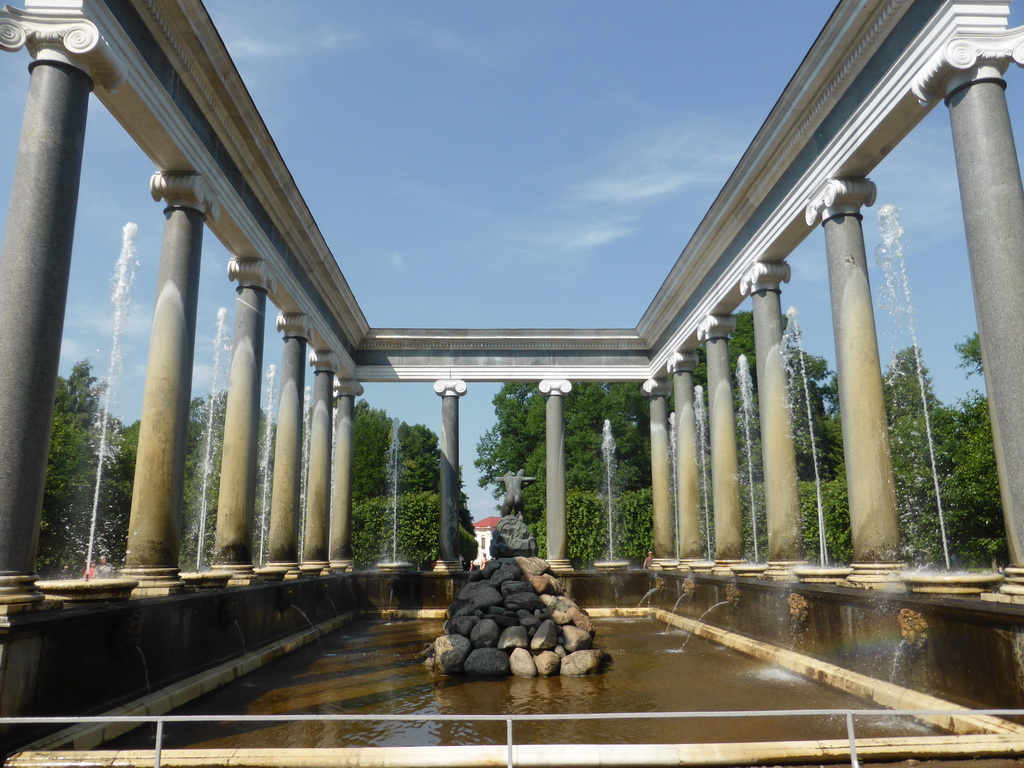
[[559, 565], [876, 575], [782, 570], [342, 566], [664, 564], [154, 580], [724, 567], [1014, 584], [448, 566], [314, 568], [242, 574], [18, 593], [271, 572]]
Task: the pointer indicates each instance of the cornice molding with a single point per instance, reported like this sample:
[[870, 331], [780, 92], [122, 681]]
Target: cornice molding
[[294, 325], [184, 190], [251, 272], [656, 388], [526, 339], [765, 276], [555, 387], [450, 387], [682, 362], [716, 327], [839, 197], [347, 388], [54, 32]]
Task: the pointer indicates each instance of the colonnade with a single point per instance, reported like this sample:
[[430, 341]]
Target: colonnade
[[70, 58]]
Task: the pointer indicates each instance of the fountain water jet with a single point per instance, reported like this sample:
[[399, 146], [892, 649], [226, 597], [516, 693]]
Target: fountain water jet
[[218, 372], [701, 418], [896, 298], [746, 387], [307, 419], [608, 456], [266, 444], [121, 286], [394, 469]]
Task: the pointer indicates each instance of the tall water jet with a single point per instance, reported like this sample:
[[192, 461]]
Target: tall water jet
[[218, 375], [608, 492], [796, 368], [307, 420], [394, 471], [266, 444], [700, 415], [121, 286], [673, 486], [895, 296], [746, 387]]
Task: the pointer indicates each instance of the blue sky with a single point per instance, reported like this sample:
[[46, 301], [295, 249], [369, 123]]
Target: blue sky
[[516, 164]]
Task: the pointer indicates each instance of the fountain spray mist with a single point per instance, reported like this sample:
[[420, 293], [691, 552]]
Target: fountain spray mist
[[121, 286], [700, 416], [307, 421], [746, 386], [267, 441], [394, 458], [895, 295], [217, 374], [608, 454]]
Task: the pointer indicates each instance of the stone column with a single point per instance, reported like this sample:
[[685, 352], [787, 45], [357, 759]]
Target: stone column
[[554, 392], [715, 330], [874, 521], [154, 530], [689, 543], [778, 456], [346, 392], [661, 489], [450, 391], [318, 485], [236, 506], [283, 546], [969, 75], [35, 267]]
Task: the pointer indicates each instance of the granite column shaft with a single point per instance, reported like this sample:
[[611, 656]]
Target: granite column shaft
[[450, 392], [661, 490], [554, 393], [318, 486], [690, 546], [341, 500]]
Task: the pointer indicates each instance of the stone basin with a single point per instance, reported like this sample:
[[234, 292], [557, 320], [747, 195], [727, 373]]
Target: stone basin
[[206, 579], [944, 583], [394, 567], [821, 574], [81, 591], [611, 565], [749, 570]]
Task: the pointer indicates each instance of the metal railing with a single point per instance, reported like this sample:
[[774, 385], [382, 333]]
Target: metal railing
[[509, 719]]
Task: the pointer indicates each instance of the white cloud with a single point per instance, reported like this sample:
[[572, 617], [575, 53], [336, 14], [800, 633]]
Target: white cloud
[[397, 260]]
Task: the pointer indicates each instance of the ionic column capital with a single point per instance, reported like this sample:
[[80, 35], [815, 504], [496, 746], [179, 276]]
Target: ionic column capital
[[765, 276], [61, 35], [293, 324], [323, 360], [251, 273], [184, 190], [716, 327], [683, 361], [450, 387], [347, 387], [656, 388], [555, 387], [838, 197], [965, 59]]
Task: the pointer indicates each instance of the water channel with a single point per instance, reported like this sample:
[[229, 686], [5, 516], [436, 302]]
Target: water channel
[[374, 667]]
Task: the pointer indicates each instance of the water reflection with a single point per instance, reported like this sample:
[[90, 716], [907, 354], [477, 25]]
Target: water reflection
[[375, 668]]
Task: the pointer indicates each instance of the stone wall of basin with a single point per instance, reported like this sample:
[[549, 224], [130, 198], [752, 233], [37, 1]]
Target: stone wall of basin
[[962, 649]]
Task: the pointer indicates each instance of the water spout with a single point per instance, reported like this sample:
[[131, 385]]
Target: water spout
[[701, 418], [266, 444], [700, 621], [746, 387]]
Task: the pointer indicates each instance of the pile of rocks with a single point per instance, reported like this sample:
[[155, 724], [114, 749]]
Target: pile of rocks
[[513, 618]]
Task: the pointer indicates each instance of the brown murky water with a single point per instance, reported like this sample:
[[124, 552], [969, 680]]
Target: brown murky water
[[374, 667]]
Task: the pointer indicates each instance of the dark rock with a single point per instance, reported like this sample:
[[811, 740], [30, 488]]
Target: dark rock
[[462, 625], [489, 568], [548, 663], [514, 637], [512, 538], [484, 596], [521, 663], [485, 634], [507, 572], [582, 662], [525, 600], [487, 662], [495, 610], [530, 622], [456, 606], [522, 613], [504, 622], [512, 587], [450, 653], [546, 637]]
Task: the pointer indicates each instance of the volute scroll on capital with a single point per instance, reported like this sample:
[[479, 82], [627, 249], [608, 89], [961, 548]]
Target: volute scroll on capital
[[765, 276], [965, 59], [716, 327], [555, 387], [294, 325], [324, 360], [66, 38], [839, 197], [347, 388], [450, 387], [251, 273], [656, 388], [683, 361], [184, 189]]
